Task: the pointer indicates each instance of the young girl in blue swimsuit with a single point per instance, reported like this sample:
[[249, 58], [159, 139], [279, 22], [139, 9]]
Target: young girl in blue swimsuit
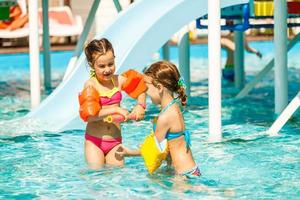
[[166, 88]]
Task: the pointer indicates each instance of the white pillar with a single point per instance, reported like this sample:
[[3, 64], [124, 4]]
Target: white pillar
[[285, 116], [214, 71], [35, 86], [280, 46]]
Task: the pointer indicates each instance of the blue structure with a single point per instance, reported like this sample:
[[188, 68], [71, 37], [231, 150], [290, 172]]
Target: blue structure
[[243, 13]]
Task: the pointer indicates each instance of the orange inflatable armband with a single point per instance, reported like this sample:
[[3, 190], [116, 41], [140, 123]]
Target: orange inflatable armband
[[134, 84], [90, 94], [89, 103]]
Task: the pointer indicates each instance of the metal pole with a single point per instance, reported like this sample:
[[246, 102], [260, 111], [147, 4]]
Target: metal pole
[[46, 46], [35, 85], [117, 5], [87, 28], [280, 45], [214, 71], [239, 74], [184, 60], [82, 38], [251, 3]]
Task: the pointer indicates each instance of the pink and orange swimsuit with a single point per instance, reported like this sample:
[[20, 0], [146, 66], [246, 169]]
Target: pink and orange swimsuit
[[113, 96]]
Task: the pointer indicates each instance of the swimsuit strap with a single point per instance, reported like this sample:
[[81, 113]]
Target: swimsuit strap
[[171, 135], [187, 138], [186, 134], [112, 80], [168, 106], [111, 92]]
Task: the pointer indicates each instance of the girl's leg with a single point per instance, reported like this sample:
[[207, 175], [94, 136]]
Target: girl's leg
[[113, 158], [93, 155]]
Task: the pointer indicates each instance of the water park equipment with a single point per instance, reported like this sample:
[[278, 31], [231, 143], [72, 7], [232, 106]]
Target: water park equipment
[[245, 16], [184, 58], [84, 34], [214, 72], [285, 115], [133, 54], [82, 38], [262, 10], [142, 39], [35, 92], [249, 86], [266, 9]]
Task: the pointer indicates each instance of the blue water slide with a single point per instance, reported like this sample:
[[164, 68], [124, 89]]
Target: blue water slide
[[136, 34]]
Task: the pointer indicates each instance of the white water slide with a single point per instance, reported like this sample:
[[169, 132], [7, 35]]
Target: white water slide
[[135, 35]]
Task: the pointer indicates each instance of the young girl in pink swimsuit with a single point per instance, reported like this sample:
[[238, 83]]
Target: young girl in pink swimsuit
[[103, 139]]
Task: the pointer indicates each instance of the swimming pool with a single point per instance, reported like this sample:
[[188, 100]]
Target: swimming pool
[[246, 165]]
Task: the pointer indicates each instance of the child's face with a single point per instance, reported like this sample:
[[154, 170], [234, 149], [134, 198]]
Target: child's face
[[105, 66], [152, 91]]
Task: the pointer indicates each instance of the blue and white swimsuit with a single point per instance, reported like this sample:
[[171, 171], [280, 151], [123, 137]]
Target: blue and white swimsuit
[[194, 172]]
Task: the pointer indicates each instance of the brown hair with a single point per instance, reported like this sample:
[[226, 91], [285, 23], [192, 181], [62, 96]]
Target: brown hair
[[96, 48], [167, 74]]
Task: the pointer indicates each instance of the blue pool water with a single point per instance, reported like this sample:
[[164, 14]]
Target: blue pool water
[[246, 165]]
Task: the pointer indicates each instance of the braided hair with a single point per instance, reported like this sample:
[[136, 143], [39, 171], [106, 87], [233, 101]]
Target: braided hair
[[167, 74]]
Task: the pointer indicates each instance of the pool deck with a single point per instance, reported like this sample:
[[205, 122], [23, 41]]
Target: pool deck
[[70, 47], [25, 49]]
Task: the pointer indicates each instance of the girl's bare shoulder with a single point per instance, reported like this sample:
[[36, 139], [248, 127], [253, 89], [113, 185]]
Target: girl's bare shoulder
[[171, 115], [175, 118], [90, 83]]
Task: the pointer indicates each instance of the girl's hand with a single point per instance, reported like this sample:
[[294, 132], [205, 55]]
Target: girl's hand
[[123, 151], [169, 160], [123, 112], [138, 113]]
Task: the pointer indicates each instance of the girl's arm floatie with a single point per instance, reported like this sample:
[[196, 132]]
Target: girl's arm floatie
[[89, 103], [91, 110], [117, 118], [132, 82]]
